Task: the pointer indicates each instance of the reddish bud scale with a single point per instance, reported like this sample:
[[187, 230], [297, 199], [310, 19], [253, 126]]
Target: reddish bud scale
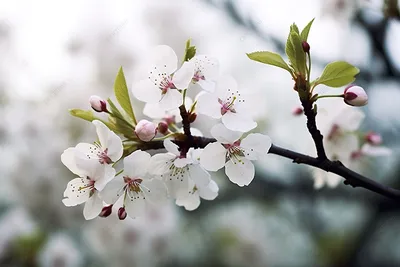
[[163, 128], [373, 138], [297, 111], [106, 211], [306, 46], [192, 117], [122, 213]]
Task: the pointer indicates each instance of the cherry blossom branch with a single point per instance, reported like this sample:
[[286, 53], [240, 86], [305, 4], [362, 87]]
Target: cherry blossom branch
[[351, 178], [312, 128]]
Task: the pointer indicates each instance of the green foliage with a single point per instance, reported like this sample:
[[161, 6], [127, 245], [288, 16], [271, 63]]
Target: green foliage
[[190, 51], [306, 30], [26, 248], [270, 59], [294, 28], [122, 95], [337, 74], [294, 51], [118, 123], [86, 115]]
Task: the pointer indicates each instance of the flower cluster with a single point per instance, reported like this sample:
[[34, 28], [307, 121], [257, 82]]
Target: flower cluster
[[183, 172], [344, 141]]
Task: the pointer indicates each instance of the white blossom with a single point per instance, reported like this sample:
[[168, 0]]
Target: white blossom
[[109, 148], [135, 187], [206, 71], [177, 170], [234, 153], [160, 78], [227, 103], [93, 177]]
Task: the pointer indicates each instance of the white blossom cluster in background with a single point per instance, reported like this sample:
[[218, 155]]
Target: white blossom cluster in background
[[178, 174]]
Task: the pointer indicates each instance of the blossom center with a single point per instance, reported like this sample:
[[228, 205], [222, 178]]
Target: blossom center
[[104, 158], [198, 76], [133, 183], [234, 151], [227, 105], [166, 84], [88, 185]]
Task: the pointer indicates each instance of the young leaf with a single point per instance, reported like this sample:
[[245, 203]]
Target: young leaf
[[190, 51], [337, 74], [269, 58], [306, 30], [118, 122], [294, 28], [87, 115], [295, 53], [122, 95]]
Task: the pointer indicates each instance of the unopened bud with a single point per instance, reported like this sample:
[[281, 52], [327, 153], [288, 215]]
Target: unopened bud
[[306, 46], [169, 119], [192, 117], [355, 96], [122, 213], [106, 211], [163, 128], [297, 111], [145, 130], [373, 138], [98, 104]]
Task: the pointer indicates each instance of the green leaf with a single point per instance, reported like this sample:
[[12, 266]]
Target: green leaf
[[118, 123], [269, 58], [83, 114], [294, 28], [337, 74], [190, 51], [306, 30], [122, 95], [295, 53]]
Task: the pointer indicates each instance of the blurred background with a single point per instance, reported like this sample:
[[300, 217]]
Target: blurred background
[[55, 54]]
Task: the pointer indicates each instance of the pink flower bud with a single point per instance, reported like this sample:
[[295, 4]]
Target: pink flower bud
[[373, 138], [297, 111], [122, 213], [98, 104], [355, 96], [163, 127], [106, 211], [145, 130]]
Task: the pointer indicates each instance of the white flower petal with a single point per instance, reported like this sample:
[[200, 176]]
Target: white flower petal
[[238, 122], [91, 151], [89, 167], [207, 85], [155, 191], [333, 180], [160, 163], [183, 76], [73, 195], [224, 84], [182, 162], [177, 182], [171, 99], [113, 190], [195, 154], [319, 178], [209, 192], [93, 207], [146, 91], [190, 202], [256, 145], [375, 151], [195, 132], [207, 104], [136, 164], [351, 119], [213, 157], [154, 111], [199, 176], [109, 140], [208, 66], [108, 175], [240, 172], [68, 159], [171, 147], [164, 58], [135, 204], [224, 135]]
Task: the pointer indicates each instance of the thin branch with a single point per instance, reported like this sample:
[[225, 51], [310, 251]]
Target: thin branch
[[351, 178]]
